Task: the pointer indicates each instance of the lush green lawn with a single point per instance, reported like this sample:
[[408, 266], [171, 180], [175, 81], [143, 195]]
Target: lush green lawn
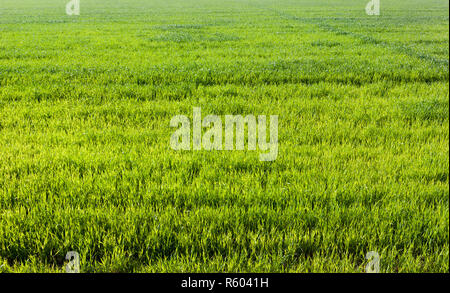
[[86, 163]]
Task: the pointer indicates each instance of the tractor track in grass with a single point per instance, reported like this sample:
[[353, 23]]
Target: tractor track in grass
[[319, 22]]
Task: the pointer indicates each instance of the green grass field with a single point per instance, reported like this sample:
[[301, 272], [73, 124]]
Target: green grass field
[[85, 157]]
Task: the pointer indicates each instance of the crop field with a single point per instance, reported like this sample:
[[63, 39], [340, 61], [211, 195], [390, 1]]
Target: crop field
[[86, 163]]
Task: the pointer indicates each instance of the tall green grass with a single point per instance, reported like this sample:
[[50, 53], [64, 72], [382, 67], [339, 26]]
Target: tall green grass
[[85, 158]]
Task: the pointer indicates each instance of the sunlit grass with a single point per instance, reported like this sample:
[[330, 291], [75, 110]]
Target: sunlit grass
[[85, 158]]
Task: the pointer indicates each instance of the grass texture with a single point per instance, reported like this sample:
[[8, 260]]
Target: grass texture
[[85, 157]]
